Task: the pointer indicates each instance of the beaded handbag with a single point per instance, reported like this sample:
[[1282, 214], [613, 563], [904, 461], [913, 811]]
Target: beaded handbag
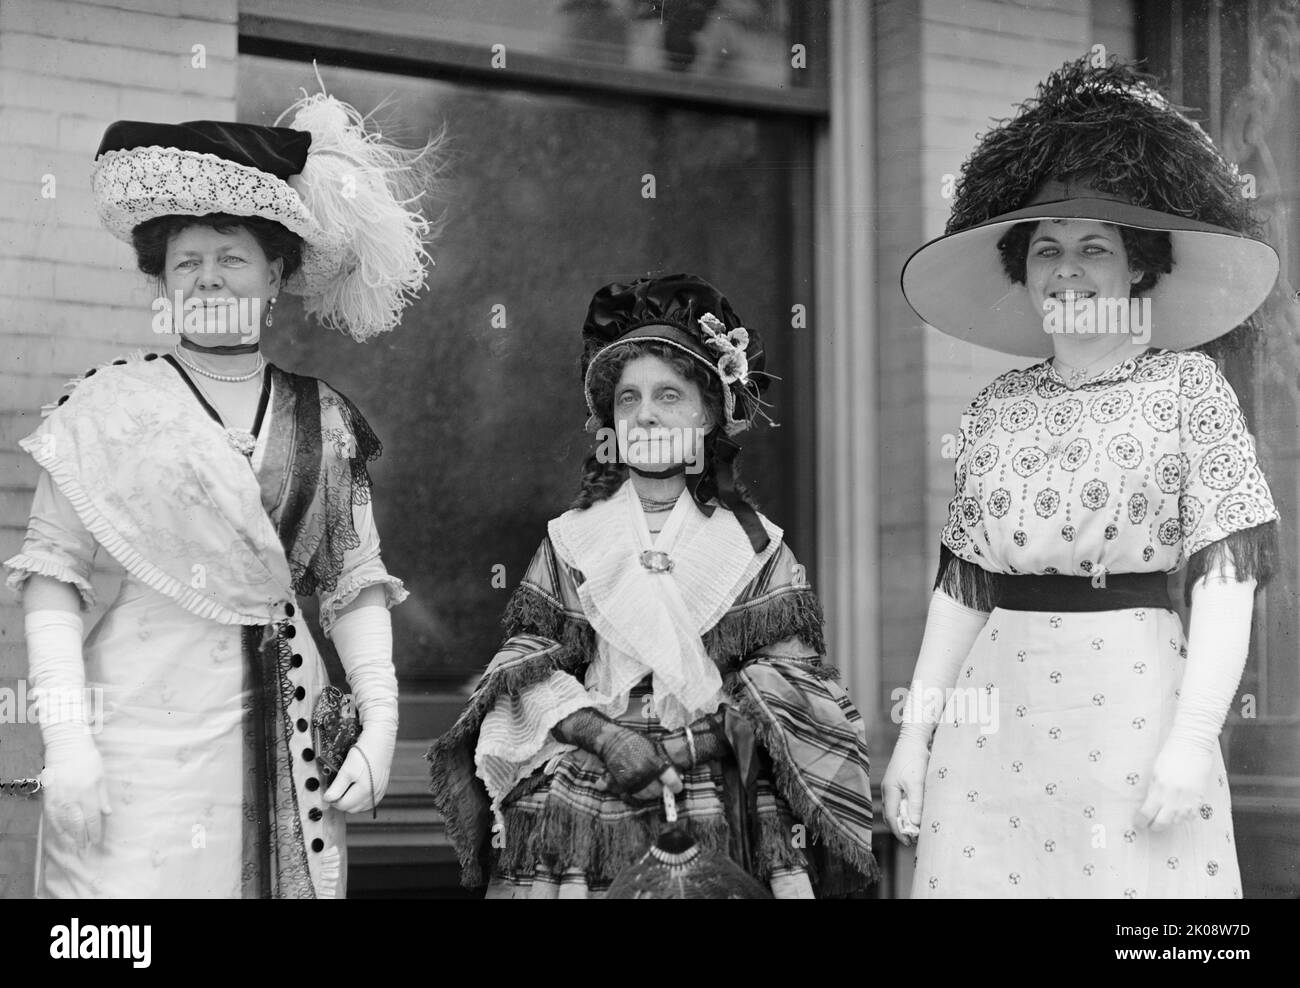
[[335, 727]]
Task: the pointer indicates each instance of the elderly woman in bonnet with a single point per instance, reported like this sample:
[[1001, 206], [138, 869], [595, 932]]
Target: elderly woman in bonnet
[[1100, 231], [226, 488], [664, 637]]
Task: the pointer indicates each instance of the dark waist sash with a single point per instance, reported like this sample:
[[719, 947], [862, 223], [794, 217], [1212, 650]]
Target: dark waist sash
[[1078, 593]]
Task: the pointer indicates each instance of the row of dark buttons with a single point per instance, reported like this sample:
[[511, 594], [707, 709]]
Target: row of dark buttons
[[116, 363], [312, 783]]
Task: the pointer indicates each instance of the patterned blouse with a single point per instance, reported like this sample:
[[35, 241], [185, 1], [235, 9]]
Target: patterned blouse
[[1134, 471]]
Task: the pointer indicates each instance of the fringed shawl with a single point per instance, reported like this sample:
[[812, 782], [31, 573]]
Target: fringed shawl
[[801, 717]]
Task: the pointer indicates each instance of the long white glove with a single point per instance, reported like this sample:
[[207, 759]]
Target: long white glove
[[76, 795], [950, 631], [1217, 643], [364, 640]]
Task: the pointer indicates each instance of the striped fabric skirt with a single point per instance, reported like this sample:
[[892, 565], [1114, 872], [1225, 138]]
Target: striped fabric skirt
[[565, 838]]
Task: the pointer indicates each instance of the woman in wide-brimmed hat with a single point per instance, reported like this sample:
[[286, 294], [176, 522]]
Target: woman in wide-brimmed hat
[[664, 636], [1060, 736], [191, 746]]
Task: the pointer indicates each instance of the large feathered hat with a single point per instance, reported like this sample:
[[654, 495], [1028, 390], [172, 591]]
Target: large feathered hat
[[1097, 142], [350, 195]]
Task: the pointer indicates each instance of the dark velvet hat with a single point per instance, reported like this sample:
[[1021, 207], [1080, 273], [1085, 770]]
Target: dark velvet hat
[[686, 312]]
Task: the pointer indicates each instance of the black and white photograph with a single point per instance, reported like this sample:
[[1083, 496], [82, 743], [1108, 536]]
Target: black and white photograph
[[651, 449]]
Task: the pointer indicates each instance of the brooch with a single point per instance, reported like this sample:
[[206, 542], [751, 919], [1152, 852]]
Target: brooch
[[656, 561], [243, 442]]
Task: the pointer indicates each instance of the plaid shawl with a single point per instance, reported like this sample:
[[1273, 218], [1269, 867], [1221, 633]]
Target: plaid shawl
[[768, 646]]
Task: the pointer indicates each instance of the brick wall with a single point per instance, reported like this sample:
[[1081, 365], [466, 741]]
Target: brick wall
[[70, 297], [944, 69]]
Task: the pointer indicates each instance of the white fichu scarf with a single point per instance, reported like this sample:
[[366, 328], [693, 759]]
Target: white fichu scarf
[[651, 622]]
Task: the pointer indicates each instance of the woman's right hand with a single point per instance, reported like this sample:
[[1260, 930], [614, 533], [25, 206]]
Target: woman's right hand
[[903, 787], [75, 794], [636, 765]]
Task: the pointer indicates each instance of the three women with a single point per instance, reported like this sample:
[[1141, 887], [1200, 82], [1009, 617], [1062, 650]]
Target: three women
[[664, 637]]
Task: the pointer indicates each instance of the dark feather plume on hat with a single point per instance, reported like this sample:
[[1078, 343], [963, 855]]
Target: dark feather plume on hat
[[1108, 127]]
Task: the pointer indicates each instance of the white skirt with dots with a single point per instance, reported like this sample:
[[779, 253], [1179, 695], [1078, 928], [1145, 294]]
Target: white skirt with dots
[[1044, 756]]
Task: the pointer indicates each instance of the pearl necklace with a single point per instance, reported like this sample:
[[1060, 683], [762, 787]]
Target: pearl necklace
[[226, 378], [651, 506]]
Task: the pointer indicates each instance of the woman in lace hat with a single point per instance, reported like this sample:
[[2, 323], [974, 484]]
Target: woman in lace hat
[[1061, 734], [179, 757], [664, 636]]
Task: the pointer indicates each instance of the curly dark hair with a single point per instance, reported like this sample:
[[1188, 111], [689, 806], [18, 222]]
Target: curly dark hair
[[1149, 251], [151, 238], [600, 480]]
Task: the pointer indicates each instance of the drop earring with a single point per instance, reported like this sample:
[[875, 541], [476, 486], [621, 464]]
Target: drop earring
[[270, 311]]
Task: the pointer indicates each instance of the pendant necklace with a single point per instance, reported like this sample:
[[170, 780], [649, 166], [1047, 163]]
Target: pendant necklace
[[1076, 376]]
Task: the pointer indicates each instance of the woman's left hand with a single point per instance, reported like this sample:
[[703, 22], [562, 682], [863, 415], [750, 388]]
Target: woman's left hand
[[1177, 787], [371, 757]]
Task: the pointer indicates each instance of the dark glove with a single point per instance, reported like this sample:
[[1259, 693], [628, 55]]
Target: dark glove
[[631, 758], [710, 737]]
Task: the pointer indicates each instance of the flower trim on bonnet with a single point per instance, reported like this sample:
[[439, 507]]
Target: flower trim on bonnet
[[733, 368]]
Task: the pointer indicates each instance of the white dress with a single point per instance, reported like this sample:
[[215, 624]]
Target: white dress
[[176, 736], [1045, 750]]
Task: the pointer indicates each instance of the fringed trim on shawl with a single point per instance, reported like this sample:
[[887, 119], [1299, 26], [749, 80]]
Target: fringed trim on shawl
[[776, 847], [116, 546], [1251, 552], [774, 617], [560, 838], [967, 583], [821, 826], [457, 791], [533, 612], [24, 566]]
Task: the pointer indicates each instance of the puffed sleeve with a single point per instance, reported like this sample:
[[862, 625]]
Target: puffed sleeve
[[964, 581], [362, 567], [57, 545], [1224, 502]]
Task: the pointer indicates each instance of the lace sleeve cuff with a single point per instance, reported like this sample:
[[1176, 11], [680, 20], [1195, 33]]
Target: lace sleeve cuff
[[25, 565], [350, 584]]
